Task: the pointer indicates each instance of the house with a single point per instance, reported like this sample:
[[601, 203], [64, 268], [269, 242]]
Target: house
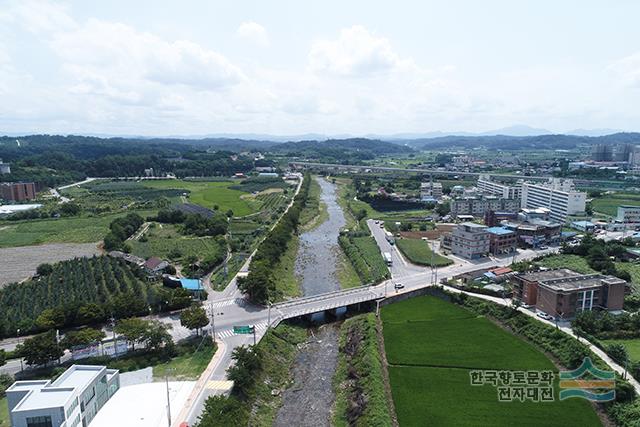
[[128, 258], [563, 293], [155, 265], [73, 399]]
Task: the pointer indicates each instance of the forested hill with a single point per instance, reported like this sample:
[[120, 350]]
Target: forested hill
[[505, 142], [341, 150]]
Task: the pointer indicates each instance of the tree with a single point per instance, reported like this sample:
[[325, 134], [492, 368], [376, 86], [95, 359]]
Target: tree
[[194, 317], [83, 336], [51, 318], [618, 352], [361, 214], [243, 373], [156, 336], [70, 209], [3, 357], [44, 269], [40, 349], [221, 411], [89, 313], [133, 329], [443, 209], [229, 213]]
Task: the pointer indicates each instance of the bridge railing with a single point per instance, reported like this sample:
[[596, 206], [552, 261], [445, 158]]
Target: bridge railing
[[323, 296]]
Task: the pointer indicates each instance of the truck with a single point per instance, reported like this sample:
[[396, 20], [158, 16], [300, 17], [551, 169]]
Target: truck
[[387, 258], [390, 238]]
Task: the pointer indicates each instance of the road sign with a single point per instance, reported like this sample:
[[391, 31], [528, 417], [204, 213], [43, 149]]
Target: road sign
[[243, 329]]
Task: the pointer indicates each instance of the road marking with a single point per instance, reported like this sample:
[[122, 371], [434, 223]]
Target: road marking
[[225, 303], [219, 385]]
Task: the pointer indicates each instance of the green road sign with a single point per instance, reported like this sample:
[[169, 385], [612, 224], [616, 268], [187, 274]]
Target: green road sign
[[243, 329]]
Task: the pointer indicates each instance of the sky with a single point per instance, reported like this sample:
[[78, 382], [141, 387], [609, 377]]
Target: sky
[[200, 67]]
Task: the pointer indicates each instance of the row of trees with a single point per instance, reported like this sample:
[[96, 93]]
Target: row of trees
[[120, 230], [193, 223], [260, 283]]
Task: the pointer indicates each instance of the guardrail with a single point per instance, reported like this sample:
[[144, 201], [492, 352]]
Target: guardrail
[[323, 296]]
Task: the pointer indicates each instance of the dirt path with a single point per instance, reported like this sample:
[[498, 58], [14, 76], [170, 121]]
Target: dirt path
[[308, 402]]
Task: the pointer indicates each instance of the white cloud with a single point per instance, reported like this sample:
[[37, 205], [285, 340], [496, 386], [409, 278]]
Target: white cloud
[[628, 69], [356, 52], [253, 32]]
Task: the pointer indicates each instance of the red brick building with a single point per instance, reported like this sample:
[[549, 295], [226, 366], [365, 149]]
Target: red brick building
[[563, 293], [17, 191]]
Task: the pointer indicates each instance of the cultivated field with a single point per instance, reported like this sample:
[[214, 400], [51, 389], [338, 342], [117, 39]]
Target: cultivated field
[[208, 194], [431, 346], [21, 262], [608, 204], [166, 240]]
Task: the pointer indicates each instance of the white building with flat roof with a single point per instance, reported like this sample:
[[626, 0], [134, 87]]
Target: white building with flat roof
[[559, 196], [470, 240], [487, 186], [72, 400], [628, 214]]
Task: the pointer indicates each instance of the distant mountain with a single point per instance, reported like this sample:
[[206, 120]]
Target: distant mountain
[[593, 132], [504, 142], [351, 150]]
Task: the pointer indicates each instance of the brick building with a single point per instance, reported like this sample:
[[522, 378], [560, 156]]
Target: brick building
[[502, 240], [563, 293], [17, 191]]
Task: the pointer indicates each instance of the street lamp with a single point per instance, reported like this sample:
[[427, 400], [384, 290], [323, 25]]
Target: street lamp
[[213, 322]]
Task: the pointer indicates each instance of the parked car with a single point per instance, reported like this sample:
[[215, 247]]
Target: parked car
[[398, 286], [544, 316]]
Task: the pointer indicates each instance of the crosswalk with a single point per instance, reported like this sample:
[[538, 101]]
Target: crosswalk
[[228, 333], [219, 385], [226, 303]]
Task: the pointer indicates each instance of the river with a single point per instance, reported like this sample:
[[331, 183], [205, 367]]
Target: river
[[317, 259], [309, 400]]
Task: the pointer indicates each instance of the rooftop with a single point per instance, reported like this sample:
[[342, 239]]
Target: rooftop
[[473, 225], [563, 279], [499, 230]]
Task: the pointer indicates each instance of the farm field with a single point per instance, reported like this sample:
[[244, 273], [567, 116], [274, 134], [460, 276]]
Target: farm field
[[419, 252], [608, 204], [21, 262], [632, 346], [162, 241], [83, 229], [431, 346], [208, 194], [4, 413]]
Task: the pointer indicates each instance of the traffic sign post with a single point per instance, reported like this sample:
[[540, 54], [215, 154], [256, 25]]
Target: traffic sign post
[[245, 330]]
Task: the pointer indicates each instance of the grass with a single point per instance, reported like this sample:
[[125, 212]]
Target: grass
[[163, 240], [431, 346], [632, 346], [208, 194], [83, 229], [572, 262], [314, 212], [279, 348], [287, 284], [359, 353], [4, 413], [608, 204], [419, 252], [347, 274], [370, 251], [634, 270], [187, 366]]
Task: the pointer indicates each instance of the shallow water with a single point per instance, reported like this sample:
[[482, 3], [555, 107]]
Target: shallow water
[[317, 259]]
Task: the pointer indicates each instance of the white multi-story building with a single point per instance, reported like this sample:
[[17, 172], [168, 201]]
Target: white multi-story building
[[70, 401], [478, 206], [628, 214], [470, 240], [430, 190], [559, 196], [487, 186]]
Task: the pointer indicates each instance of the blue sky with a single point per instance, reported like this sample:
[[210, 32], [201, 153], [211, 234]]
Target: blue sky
[[333, 67]]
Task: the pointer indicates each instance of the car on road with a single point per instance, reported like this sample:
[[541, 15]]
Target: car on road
[[376, 222], [544, 316], [398, 286]]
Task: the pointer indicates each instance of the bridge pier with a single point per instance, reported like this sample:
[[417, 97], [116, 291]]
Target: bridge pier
[[331, 314]]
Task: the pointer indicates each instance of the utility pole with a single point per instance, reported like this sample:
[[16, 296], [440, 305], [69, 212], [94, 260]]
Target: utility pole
[[166, 379], [269, 316], [112, 322], [213, 322], [253, 328]]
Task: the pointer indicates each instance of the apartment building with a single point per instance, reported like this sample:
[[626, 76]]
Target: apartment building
[[5, 168], [430, 190], [563, 293], [502, 240], [559, 196], [477, 206], [628, 215], [72, 400], [470, 240], [17, 191], [487, 186]]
